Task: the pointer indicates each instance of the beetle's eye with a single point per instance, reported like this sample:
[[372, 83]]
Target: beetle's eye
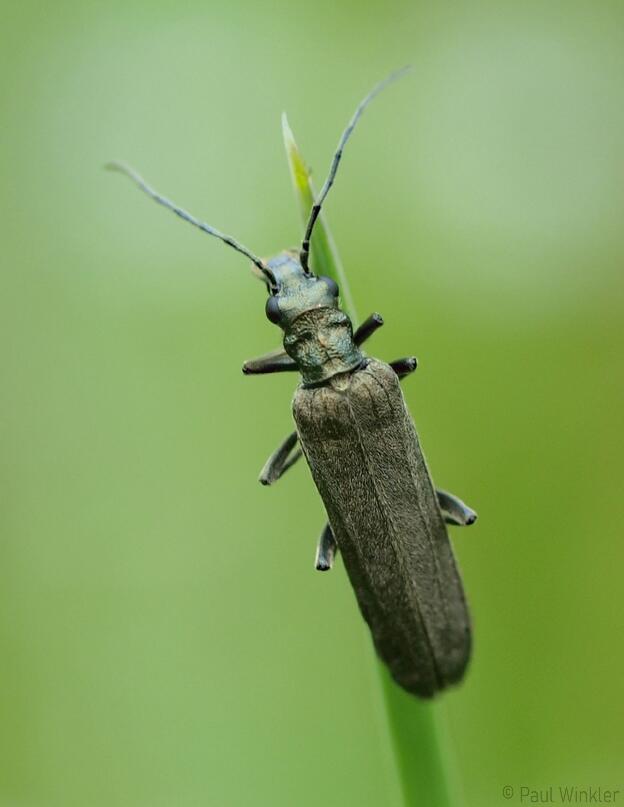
[[272, 310], [332, 286]]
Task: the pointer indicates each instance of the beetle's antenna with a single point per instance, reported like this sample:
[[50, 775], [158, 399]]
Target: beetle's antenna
[[142, 184], [316, 208]]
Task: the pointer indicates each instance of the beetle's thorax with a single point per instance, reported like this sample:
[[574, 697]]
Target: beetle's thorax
[[320, 340], [317, 334]]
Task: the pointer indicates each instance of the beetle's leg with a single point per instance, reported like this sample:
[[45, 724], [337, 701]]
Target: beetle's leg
[[326, 550], [281, 460], [367, 328], [403, 367], [285, 457], [278, 361], [454, 510]]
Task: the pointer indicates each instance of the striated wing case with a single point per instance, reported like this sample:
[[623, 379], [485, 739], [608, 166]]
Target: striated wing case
[[366, 461]]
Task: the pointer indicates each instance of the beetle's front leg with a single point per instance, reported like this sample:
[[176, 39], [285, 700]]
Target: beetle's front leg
[[454, 510], [401, 367], [367, 328], [278, 361], [283, 458]]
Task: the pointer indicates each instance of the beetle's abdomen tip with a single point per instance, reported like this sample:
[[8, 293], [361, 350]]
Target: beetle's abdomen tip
[[428, 693], [418, 691]]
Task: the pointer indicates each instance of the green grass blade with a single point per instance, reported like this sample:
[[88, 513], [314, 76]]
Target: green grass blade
[[416, 728], [325, 257], [421, 747]]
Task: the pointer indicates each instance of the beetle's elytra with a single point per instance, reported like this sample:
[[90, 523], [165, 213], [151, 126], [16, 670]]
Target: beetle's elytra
[[354, 429]]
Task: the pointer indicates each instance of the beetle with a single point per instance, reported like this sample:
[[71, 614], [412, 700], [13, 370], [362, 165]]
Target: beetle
[[354, 429]]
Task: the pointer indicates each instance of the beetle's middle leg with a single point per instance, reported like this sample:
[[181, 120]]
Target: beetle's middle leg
[[283, 458], [403, 367]]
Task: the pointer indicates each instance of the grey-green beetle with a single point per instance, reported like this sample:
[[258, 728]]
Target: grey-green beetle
[[358, 438]]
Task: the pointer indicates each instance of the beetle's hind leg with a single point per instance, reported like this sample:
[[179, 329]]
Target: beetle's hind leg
[[281, 460], [454, 510], [326, 550], [278, 463]]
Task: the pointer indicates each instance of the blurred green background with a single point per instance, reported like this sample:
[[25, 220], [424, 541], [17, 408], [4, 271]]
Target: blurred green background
[[164, 638]]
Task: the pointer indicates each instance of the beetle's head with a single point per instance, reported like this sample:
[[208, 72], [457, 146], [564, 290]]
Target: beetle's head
[[317, 334], [293, 292], [293, 289]]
